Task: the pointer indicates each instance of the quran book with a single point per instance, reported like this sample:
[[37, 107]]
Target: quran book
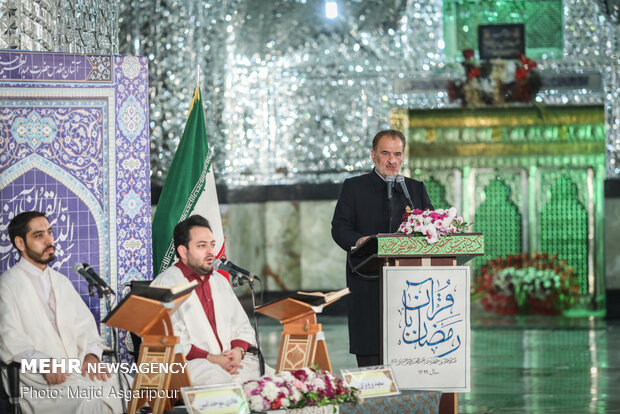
[[163, 293], [320, 298], [144, 302]]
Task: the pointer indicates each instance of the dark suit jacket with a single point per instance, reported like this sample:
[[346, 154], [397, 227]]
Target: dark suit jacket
[[362, 210]]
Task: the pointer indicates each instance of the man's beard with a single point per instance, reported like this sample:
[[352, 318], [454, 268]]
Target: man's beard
[[200, 268], [38, 257]]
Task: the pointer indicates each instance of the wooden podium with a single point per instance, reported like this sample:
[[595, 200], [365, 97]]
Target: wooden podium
[[150, 319], [384, 250], [303, 341]]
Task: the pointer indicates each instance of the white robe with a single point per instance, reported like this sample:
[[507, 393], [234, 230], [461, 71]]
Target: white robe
[[192, 326], [26, 329]]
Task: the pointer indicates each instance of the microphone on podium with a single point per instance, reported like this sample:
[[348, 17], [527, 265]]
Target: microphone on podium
[[389, 179], [401, 181]]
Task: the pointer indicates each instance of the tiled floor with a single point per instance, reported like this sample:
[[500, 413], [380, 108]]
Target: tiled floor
[[518, 364]]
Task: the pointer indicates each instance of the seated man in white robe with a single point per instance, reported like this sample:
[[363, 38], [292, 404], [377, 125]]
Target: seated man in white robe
[[42, 317], [214, 330]]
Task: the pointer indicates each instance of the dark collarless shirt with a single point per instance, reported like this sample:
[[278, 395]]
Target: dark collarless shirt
[[203, 290]]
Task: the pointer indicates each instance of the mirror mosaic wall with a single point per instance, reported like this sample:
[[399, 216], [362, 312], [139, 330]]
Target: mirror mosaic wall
[[292, 97]]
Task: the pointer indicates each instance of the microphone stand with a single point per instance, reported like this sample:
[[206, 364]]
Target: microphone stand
[[250, 280], [390, 215], [107, 292], [117, 356], [261, 360], [389, 180]]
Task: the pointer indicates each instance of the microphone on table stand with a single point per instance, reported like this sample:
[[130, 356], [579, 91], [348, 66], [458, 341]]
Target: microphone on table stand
[[93, 279], [401, 181], [238, 275]]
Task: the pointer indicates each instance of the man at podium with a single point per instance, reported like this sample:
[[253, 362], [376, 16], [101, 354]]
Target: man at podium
[[213, 328], [363, 210], [43, 319]]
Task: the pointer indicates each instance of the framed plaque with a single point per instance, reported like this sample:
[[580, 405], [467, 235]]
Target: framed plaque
[[501, 41], [216, 399], [375, 381]]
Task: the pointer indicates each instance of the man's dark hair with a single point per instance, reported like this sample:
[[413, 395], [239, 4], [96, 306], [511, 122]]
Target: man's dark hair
[[180, 235], [18, 227], [388, 133]]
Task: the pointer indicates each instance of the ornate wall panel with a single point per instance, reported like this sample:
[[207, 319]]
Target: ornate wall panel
[[74, 144], [69, 26], [531, 179], [293, 97]]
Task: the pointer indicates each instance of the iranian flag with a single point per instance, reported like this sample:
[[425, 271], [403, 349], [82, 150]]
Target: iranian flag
[[189, 189]]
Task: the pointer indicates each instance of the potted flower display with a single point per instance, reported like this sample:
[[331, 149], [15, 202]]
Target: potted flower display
[[524, 284]]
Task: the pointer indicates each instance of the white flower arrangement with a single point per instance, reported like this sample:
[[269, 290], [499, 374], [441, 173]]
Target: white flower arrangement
[[433, 224], [298, 389]]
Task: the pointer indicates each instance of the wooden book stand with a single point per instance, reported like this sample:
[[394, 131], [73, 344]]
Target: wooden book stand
[[150, 319], [303, 341]]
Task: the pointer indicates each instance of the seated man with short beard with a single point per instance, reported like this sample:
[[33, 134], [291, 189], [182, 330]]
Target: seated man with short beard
[[43, 317], [214, 330]]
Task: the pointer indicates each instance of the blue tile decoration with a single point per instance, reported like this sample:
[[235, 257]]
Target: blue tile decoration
[[34, 130], [77, 147]]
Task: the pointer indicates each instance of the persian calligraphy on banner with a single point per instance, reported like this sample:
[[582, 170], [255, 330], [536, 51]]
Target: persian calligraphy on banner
[[426, 330], [55, 67]]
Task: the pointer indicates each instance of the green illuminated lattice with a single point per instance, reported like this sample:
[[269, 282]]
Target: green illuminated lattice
[[564, 228], [437, 194], [500, 222], [542, 20]]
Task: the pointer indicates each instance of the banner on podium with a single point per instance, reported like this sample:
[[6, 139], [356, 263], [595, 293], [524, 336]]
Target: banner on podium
[[426, 328]]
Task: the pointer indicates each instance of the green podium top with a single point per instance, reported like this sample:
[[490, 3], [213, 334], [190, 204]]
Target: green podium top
[[462, 246]]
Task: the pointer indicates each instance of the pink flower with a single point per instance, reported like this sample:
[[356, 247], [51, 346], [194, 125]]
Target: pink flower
[[431, 235], [300, 374]]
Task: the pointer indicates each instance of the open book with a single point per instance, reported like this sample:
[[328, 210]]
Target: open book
[[126, 316], [320, 298], [163, 293], [299, 305]]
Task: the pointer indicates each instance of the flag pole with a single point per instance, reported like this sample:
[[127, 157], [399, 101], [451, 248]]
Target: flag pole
[[197, 75]]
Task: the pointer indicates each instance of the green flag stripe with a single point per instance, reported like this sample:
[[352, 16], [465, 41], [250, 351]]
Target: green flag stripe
[[189, 207], [184, 183]]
